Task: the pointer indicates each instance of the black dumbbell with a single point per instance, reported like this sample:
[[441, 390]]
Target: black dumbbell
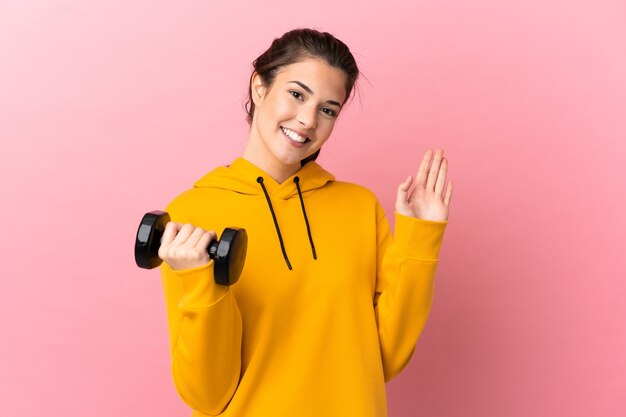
[[229, 253]]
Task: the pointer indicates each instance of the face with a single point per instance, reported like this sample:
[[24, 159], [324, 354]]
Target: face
[[296, 115]]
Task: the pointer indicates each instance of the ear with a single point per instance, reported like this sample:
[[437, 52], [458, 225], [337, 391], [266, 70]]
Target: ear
[[258, 89]]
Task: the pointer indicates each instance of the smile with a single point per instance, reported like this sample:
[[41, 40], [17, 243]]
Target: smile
[[294, 136]]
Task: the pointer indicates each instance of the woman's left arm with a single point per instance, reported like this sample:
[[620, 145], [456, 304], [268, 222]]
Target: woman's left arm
[[407, 262]]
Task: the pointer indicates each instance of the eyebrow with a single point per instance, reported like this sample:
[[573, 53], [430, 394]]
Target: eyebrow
[[308, 90]]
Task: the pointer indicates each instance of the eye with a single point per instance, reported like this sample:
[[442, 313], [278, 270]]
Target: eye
[[296, 94], [329, 112]]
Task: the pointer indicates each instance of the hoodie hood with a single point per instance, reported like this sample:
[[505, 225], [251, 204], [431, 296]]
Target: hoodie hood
[[242, 176]]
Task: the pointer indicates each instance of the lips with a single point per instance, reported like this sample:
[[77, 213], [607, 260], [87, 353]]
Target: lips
[[295, 135]]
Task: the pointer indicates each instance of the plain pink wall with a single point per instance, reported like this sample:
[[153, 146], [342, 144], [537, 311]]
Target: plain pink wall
[[108, 109]]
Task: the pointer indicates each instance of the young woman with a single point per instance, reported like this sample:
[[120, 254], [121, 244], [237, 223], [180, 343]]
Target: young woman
[[329, 305]]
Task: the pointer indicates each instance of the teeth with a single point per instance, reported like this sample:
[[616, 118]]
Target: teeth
[[293, 135]]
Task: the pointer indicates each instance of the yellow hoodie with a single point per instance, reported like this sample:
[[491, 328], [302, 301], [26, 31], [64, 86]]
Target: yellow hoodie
[[329, 305]]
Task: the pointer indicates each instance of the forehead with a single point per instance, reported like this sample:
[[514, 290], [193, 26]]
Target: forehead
[[326, 82]]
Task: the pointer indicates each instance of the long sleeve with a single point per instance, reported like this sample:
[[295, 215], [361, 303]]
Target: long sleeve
[[205, 332], [406, 266]]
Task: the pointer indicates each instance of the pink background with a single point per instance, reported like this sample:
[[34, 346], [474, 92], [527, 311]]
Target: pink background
[[108, 109]]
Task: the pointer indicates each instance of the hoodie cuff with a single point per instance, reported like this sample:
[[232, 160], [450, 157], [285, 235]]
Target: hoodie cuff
[[418, 239], [201, 291]]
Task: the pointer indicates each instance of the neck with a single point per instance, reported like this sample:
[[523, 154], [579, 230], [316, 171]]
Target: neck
[[260, 156]]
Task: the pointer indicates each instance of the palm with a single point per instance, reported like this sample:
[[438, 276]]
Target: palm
[[425, 197]]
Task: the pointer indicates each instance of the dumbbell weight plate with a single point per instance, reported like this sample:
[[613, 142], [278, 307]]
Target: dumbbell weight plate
[[149, 237], [230, 255]]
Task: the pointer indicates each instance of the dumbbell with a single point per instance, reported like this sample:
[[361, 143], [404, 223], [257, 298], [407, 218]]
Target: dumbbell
[[228, 253]]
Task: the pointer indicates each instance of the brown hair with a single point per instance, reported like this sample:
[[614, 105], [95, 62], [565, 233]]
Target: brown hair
[[294, 46]]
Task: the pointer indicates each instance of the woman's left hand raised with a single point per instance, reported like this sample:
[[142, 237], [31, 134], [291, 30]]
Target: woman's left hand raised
[[424, 198]]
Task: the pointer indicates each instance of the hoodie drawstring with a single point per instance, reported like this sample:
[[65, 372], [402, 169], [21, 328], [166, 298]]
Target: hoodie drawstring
[[280, 238], [306, 220]]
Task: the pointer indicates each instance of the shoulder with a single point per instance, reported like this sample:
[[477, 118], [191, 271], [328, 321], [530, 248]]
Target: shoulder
[[182, 207], [352, 190], [357, 195], [354, 196]]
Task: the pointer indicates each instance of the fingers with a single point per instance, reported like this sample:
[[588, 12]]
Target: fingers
[[171, 229], [184, 245], [433, 173], [404, 188], [194, 237], [441, 177], [183, 234], [422, 172], [403, 197], [204, 240], [448, 197]]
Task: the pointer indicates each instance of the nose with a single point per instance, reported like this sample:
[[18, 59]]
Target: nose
[[308, 117]]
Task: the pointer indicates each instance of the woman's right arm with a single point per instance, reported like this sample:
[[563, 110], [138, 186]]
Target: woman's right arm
[[205, 330]]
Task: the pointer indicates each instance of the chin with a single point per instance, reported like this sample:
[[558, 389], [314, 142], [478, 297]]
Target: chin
[[292, 160]]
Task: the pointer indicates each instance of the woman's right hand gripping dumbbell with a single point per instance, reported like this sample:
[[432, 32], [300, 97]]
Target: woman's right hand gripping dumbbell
[[184, 246]]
